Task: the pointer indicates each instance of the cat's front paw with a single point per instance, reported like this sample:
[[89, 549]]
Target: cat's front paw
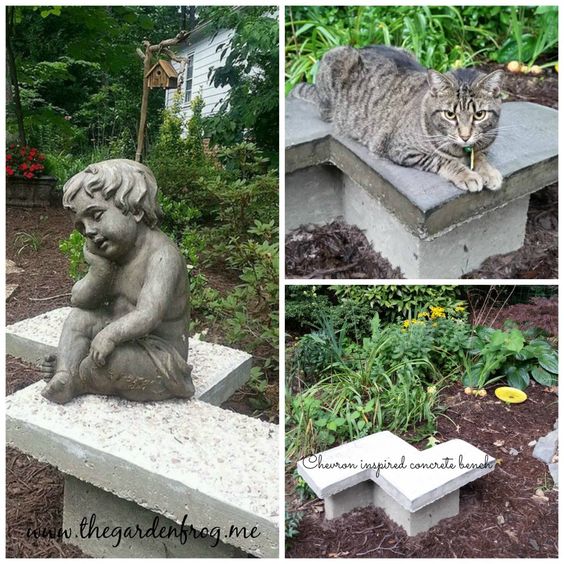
[[492, 178], [469, 181]]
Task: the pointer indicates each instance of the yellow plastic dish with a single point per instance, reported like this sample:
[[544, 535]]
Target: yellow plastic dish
[[510, 395]]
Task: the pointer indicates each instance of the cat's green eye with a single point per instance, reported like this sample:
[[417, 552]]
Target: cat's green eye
[[449, 115], [480, 115]]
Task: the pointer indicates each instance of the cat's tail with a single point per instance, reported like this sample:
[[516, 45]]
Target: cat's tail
[[304, 91]]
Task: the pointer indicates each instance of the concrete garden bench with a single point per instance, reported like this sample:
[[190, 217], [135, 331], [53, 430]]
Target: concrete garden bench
[[417, 220], [416, 489], [128, 463]]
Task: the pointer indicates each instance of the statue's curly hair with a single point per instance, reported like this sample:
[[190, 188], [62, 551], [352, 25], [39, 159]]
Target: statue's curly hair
[[131, 185]]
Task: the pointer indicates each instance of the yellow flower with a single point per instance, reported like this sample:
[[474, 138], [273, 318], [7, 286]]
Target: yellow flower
[[407, 323], [423, 314], [431, 390], [460, 308], [437, 311]]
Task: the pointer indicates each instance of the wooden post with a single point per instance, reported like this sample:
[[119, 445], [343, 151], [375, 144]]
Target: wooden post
[[144, 103], [146, 56]]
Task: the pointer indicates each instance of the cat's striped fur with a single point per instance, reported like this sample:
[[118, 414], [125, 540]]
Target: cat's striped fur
[[383, 98]]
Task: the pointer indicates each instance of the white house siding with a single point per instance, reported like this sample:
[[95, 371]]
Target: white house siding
[[206, 57]]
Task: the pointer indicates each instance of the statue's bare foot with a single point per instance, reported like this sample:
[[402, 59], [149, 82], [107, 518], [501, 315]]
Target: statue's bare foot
[[60, 389], [48, 366]]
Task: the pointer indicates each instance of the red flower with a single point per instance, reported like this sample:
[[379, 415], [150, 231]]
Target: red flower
[[23, 166], [9, 171], [8, 157], [28, 175]]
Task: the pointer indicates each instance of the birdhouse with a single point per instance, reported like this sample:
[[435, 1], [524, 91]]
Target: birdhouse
[[162, 75]]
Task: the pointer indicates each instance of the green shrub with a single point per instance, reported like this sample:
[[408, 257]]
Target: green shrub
[[512, 355], [180, 176], [72, 248], [389, 382], [293, 523], [305, 305], [440, 37], [356, 305]]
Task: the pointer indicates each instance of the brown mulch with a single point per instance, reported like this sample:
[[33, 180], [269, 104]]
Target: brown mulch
[[500, 515], [45, 284], [336, 250], [308, 257], [541, 313]]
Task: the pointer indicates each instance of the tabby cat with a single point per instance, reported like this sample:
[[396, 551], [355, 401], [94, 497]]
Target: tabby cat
[[383, 98]]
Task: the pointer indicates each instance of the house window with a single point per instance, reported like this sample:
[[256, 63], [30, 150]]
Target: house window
[[189, 79]]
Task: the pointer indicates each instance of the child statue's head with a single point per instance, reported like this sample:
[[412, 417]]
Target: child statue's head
[[111, 200], [131, 185]]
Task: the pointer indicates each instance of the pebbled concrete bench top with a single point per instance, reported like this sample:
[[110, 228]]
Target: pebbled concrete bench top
[[413, 487], [218, 370], [525, 152], [175, 457]]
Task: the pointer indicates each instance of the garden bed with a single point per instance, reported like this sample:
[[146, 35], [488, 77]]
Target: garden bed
[[364, 359], [500, 515]]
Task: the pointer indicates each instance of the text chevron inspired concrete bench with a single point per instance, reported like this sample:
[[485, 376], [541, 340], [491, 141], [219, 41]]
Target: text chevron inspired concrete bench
[[416, 489], [417, 220], [189, 465]]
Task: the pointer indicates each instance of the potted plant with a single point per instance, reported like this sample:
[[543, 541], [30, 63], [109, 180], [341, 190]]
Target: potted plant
[[26, 182]]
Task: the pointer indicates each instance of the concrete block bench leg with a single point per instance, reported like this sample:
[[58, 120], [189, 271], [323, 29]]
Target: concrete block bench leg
[[104, 516], [417, 521], [338, 504], [369, 494]]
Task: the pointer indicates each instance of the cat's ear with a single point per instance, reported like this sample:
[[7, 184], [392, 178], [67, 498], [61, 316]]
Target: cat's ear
[[491, 83], [438, 82]]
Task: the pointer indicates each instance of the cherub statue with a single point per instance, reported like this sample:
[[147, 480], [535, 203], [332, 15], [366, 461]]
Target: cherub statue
[[126, 334]]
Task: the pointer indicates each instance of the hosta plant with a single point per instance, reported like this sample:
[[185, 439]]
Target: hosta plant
[[511, 355]]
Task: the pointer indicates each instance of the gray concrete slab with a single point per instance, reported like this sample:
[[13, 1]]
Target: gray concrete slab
[[525, 151], [88, 510], [174, 458], [218, 371]]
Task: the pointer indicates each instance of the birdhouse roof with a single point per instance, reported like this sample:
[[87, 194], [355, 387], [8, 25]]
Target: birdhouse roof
[[167, 68]]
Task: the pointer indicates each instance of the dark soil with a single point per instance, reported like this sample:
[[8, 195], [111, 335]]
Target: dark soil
[[519, 87], [500, 515], [307, 256], [34, 491]]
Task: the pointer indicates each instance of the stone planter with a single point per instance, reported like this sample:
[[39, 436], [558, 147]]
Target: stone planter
[[34, 192]]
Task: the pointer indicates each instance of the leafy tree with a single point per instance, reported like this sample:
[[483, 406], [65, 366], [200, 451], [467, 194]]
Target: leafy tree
[[250, 69], [80, 76]]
